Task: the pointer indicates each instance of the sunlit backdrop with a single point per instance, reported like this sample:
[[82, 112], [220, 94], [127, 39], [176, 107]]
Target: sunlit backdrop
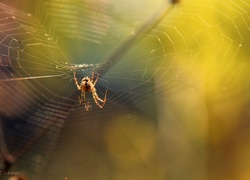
[[177, 77]]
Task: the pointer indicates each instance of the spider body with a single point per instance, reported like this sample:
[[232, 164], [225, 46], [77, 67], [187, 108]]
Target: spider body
[[85, 85], [88, 85]]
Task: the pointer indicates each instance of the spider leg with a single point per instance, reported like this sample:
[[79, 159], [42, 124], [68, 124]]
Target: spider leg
[[80, 100], [83, 99], [95, 80], [76, 81], [96, 98], [92, 78], [86, 106], [93, 74]]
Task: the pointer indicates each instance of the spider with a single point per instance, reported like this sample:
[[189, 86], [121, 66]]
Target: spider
[[88, 85]]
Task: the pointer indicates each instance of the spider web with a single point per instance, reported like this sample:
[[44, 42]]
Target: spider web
[[196, 49]]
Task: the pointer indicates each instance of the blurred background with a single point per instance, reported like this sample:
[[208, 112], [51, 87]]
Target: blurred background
[[178, 89]]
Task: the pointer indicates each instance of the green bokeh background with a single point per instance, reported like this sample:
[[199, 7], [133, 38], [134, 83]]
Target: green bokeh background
[[185, 111]]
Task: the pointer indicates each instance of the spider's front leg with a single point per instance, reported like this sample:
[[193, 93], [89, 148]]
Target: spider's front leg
[[93, 75], [76, 81]]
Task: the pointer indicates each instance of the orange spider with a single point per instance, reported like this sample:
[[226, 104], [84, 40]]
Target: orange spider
[[88, 85]]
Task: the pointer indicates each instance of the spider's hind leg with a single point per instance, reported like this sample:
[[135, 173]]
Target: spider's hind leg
[[96, 99], [87, 105], [80, 100]]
